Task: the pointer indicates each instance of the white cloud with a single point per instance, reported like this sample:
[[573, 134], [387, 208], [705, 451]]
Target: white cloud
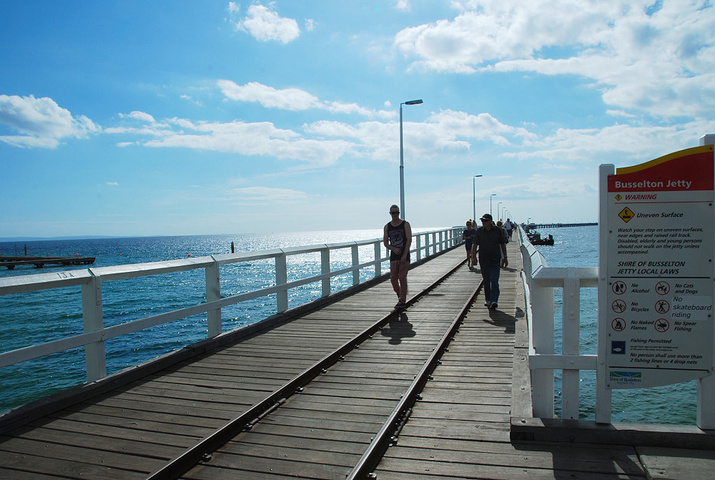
[[403, 5], [268, 194], [293, 99], [265, 25], [655, 57], [233, 7], [136, 115], [252, 139], [40, 122]]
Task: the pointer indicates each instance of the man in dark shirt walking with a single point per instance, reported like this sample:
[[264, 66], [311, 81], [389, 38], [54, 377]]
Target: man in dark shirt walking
[[492, 255]]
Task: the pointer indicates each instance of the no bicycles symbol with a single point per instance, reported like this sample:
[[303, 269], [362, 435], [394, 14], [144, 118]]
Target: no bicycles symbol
[[619, 306]]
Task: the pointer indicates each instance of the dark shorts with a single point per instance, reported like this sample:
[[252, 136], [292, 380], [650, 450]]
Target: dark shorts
[[395, 257]]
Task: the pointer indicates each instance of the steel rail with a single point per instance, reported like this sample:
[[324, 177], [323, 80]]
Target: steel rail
[[387, 435], [203, 450]]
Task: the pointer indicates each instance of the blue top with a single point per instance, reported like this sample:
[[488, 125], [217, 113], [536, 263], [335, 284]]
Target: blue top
[[468, 236]]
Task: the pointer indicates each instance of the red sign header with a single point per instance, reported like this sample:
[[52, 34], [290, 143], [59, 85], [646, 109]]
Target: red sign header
[[687, 170]]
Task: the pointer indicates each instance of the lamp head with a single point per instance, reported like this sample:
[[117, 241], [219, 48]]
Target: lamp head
[[414, 102]]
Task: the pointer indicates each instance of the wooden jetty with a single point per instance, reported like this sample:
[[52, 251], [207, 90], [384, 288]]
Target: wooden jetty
[[429, 393], [40, 262]]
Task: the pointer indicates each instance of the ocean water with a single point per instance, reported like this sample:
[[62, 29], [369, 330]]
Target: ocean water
[[670, 404], [37, 317]]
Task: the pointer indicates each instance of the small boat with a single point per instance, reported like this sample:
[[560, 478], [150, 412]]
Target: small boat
[[535, 239]]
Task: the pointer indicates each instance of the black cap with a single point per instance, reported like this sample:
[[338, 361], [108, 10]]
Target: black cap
[[486, 216]]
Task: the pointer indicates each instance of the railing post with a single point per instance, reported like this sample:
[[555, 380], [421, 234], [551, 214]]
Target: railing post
[[325, 269], [213, 293], [281, 279], [542, 380], [706, 399], [570, 314], [419, 247], [378, 258], [603, 389], [94, 353], [356, 262]]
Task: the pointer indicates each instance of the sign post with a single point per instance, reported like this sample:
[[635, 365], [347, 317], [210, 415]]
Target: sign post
[[656, 312]]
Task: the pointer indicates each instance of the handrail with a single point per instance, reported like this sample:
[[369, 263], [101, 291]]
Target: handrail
[[539, 284], [90, 280]]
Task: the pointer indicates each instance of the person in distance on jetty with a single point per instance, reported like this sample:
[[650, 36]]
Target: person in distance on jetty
[[397, 238], [492, 255], [468, 237]]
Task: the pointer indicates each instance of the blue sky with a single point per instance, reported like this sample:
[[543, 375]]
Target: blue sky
[[166, 118]]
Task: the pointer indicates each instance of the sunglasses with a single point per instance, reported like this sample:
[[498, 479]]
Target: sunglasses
[[395, 213]]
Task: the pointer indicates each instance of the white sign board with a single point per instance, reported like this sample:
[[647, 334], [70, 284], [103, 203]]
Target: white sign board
[[659, 240]]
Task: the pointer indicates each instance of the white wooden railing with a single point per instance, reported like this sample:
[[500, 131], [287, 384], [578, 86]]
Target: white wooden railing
[[425, 244], [540, 283]]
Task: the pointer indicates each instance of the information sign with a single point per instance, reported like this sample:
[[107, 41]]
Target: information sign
[[659, 234]]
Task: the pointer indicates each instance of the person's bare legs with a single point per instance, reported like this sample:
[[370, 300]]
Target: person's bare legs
[[398, 277]]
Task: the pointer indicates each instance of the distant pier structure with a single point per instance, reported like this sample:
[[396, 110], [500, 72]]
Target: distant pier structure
[[40, 262], [532, 226]]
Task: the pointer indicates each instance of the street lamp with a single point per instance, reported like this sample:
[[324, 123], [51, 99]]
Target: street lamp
[[474, 195], [402, 162], [490, 204], [499, 210]]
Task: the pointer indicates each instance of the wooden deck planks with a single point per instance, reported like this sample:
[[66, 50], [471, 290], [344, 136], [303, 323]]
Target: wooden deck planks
[[159, 416], [362, 390], [459, 430], [461, 427]]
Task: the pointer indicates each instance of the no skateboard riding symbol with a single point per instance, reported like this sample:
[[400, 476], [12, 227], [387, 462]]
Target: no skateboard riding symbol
[[662, 306], [619, 288]]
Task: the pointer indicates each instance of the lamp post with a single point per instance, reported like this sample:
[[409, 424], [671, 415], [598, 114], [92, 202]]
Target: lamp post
[[499, 210], [402, 162], [474, 195], [490, 204]]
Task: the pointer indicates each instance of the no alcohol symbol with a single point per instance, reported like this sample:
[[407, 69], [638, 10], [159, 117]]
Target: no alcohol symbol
[[619, 288]]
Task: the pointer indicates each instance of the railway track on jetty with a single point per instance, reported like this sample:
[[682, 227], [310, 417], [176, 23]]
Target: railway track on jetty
[[338, 416], [320, 396]]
